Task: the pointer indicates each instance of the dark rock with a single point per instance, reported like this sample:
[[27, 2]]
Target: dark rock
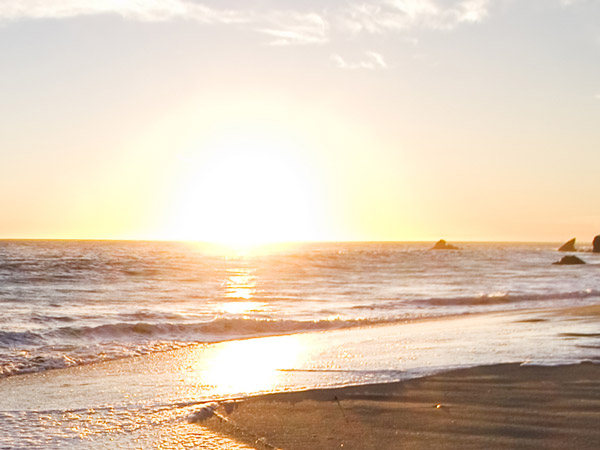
[[596, 244], [568, 246], [570, 260], [443, 245]]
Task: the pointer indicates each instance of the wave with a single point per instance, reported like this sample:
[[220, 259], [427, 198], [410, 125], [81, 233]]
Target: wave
[[48, 357], [498, 298], [19, 338], [143, 326], [218, 329], [64, 344], [143, 333], [88, 345]]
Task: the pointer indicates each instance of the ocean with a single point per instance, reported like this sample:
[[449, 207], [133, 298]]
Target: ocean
[[83, 304], [68, 303]]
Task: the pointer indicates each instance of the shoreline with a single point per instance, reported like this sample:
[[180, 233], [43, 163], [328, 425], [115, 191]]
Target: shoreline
[[357, 326], [153, 396], [372, 348], [587, 310], [501, 406]]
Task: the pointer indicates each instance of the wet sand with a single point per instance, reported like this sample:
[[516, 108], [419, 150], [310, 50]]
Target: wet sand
[[506, 406]]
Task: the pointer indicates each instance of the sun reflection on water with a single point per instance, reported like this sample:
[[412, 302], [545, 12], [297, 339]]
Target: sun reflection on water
[[241, 307], [241, 284]]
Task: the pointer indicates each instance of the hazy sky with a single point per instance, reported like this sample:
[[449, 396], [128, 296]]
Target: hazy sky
[[265, 120]]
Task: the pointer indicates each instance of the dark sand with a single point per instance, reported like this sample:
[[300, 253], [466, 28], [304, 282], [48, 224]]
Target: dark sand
[[505, 406]]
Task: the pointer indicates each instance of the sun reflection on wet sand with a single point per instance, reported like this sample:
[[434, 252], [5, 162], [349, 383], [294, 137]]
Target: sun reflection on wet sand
[[242, 367]]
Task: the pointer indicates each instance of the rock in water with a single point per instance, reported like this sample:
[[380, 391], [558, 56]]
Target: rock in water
[[596, 244], [568, 246], [443, 245], [570, 260]]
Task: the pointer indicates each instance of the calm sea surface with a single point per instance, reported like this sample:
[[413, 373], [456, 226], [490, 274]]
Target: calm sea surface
[[68, 303]]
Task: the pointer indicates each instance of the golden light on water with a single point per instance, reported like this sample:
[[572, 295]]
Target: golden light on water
[[241, 307], [240, 287], [241, 284]]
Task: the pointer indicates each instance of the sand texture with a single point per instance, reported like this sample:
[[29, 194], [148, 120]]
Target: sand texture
[[505, 406]]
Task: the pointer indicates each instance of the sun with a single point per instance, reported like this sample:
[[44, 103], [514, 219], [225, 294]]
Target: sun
[[244, 191]]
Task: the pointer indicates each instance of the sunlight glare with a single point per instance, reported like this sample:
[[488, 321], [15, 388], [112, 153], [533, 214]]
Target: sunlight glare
[[250, 366], [246, 192], [241, 307]]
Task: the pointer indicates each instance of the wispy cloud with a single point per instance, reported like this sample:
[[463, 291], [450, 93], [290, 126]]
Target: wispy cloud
[[142, 10], [284, 27], [380, 16], [371, 61], [369, 15], [290, 27]]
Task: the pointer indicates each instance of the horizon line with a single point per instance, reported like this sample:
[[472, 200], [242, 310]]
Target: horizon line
[[265, 244]]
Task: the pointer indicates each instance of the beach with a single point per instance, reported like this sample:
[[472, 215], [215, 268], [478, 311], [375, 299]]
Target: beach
[[507, 406], [145, 345], [395, 387]]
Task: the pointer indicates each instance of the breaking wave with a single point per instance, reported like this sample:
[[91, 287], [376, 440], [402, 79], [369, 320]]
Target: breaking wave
[[498, 298], [213, 331], [71, 346]]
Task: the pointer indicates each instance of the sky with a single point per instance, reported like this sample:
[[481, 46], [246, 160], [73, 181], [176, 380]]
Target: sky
[[262, 120]]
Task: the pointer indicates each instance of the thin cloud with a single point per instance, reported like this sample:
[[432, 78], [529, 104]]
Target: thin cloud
[[381, 16], [284, 27], [377, 58], [374, 16], [474, 11], [293, 28], [287, 27], [372, 61], [141, 10]]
